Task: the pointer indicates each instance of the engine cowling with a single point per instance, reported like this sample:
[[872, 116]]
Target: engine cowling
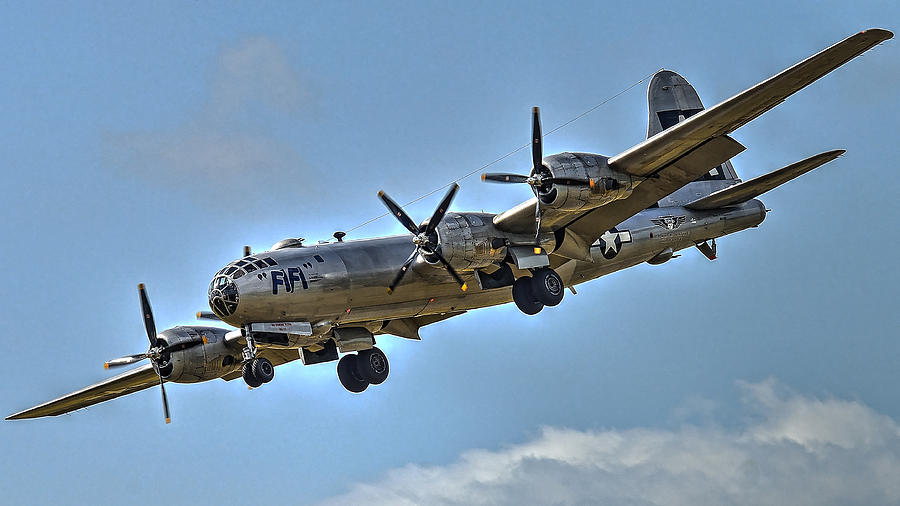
[[470, 240], [201, 362], [606, 185]]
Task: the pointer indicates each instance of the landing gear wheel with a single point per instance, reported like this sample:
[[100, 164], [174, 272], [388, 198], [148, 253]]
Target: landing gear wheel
[[523, 296], [547, 287], [348, 373], [249, 378], [373, 365], [262, 369]]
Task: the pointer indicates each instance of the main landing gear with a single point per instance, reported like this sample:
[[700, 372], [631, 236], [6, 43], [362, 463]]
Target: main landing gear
[[543, 288], [358, 371]]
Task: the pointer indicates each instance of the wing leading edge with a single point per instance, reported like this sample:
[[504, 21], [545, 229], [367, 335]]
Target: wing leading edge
[[117, 386]]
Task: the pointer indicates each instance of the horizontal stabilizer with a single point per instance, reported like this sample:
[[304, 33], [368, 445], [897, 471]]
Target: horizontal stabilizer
[[755, 187]]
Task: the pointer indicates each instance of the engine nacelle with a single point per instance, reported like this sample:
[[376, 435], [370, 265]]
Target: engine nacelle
[[606, 185], [470, 240], [200, 362]]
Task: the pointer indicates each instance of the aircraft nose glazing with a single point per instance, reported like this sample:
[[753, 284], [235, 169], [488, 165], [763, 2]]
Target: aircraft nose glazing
[[223, 296]]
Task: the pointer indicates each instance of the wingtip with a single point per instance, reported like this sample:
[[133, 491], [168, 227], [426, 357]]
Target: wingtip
[[880, 33]]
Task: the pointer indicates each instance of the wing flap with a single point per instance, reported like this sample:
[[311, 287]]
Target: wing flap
[[755, 187], [656, 152], [117, 386]]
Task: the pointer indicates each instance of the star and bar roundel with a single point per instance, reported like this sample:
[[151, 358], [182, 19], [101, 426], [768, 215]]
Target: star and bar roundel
[[611, 242]]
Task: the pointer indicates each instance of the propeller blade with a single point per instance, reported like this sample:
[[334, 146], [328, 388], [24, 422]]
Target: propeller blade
[[402, 271], [441, 209], [247, 251], [399, 213], [571, 181], [500, 177], [537, 221], [162, 388], [537, 149], [149, 324], [452, 271], [129, 359]]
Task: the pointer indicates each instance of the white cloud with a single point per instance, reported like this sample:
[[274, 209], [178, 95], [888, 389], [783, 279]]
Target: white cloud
[[222, 145], [796, 450]]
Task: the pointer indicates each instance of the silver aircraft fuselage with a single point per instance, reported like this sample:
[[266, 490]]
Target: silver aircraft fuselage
[[343, 283]]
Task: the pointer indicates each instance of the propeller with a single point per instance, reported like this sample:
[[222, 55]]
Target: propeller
[[540, 179], [424, 236], [159, 350]]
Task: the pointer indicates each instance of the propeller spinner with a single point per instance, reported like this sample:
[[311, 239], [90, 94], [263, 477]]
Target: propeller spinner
[[159, 350], [424, 236]]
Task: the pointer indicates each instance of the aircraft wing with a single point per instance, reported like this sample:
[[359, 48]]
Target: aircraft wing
[[682, 153], [725, 117], [117, 386]]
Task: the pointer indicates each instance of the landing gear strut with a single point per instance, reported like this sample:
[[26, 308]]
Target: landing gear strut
[[544, 288], [255, 370], [368, 367]]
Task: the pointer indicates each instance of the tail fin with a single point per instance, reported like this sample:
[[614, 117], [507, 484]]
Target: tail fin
[[670, 100]]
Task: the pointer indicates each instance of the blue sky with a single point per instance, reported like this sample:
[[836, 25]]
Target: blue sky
[[149, 143]]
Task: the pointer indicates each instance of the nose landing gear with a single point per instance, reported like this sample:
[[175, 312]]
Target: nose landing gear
[[368, 367], [257, 371], [543, 288]]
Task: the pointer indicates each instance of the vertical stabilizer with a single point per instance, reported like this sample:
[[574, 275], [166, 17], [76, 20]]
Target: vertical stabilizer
[[670, 100]]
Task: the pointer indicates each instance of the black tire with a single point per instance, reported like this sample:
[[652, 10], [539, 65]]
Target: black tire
[[349, 375], [548, 287], [263, 370], [524, 297], [373, 366], [247, 373]]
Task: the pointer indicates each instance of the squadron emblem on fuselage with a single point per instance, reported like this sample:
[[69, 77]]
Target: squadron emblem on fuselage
[[669, 221]]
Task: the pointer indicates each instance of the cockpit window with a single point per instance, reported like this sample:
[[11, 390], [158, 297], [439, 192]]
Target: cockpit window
[[271, 261], [230, 270], [249, 268], [239, 274], [319, 259], [260, 264]]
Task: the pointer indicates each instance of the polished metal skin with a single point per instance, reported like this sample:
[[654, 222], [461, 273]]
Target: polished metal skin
[[591, 215]]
